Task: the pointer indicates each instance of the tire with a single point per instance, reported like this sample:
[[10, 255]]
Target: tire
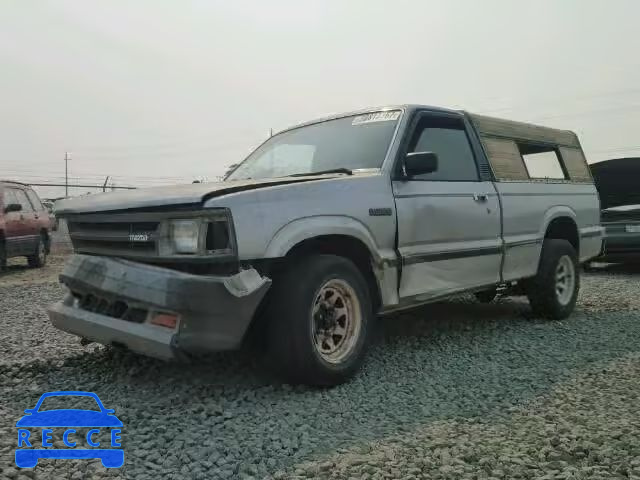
[[546, 297], [298, 346], [486, 296], [39, 258]]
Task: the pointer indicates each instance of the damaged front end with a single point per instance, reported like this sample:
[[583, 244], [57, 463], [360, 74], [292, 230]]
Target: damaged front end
[[156, 311], [162, 282]]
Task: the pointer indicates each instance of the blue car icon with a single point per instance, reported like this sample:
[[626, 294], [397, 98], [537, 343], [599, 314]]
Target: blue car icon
[[69, 419]]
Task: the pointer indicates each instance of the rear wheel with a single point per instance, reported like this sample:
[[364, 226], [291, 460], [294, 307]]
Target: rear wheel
[[553, 292], [320, 315], [39, 258]]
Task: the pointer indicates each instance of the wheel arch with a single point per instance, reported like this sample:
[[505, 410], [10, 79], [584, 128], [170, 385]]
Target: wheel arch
[[561, 224], [299, 230], [337, 235]]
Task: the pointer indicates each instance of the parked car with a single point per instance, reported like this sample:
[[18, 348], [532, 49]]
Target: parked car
[[324, 226], [617, 183], [24, 224]]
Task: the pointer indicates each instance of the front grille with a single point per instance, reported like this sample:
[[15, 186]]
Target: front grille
[[143, 236], [108, 236]]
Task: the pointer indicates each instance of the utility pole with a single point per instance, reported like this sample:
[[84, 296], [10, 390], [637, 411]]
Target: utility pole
[[104, 187], [67, 157], [270, 132]]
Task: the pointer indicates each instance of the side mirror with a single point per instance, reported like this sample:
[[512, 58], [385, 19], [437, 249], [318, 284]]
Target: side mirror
[[419, 163], [12, 207]]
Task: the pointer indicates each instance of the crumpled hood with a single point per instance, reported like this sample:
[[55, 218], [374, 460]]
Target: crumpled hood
[[170, 195]]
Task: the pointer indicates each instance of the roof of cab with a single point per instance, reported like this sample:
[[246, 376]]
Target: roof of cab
[[406, 107], [489, 126]]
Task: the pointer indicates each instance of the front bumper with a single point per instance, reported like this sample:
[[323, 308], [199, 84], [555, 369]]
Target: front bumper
[[214, 311]]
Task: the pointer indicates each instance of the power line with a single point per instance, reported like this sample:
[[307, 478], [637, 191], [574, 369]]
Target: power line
[[92, 177], [77, 186], [43, 173]]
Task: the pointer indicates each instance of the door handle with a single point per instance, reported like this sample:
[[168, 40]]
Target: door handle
[[480, 197]]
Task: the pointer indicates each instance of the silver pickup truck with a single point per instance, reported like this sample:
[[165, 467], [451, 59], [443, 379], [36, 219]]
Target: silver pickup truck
[[326, 225]]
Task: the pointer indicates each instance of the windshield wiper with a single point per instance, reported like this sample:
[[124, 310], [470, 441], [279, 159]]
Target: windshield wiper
[[348, 171]]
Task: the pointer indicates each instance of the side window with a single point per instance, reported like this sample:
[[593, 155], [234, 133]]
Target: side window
[[9, 197], [505, 159], [447, 138], [542, 161], [35, 201], [24, 201], [575, 164]]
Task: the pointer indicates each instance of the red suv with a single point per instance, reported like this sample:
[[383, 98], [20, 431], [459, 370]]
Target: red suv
[[24, 225]]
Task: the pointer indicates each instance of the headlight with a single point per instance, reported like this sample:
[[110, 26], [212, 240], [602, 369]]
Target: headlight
[[185, 235], [206, 234]]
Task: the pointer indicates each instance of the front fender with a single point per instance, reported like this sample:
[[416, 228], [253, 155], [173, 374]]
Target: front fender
[[309, 227]]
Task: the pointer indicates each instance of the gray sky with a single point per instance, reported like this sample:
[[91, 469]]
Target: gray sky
[[161, 91]]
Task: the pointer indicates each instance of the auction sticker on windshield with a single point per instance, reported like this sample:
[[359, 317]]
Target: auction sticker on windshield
[[69, 433], [376, 117]]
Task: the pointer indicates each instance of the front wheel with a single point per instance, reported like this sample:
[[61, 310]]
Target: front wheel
[[320, 315], [553, 292]]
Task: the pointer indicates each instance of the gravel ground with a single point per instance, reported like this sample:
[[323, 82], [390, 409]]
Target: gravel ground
[[454, 390]]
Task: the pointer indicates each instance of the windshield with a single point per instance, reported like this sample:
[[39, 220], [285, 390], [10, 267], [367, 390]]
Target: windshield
[[354, 142]]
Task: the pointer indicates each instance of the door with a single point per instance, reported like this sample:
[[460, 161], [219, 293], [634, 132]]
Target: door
[[26, 243], [15, 225], [448, 220]]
